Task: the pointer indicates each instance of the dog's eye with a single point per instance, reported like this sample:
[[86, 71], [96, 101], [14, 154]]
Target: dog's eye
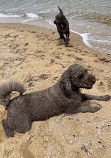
[[81, 76]]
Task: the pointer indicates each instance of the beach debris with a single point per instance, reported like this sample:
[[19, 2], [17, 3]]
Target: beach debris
[[52, 61], [105, 60], [101, 145], [55, 78], [61, 65], [74, 136], [30, 84], [77, 58], [53, 32], [100, 84], [33, 31], [7, 35], [15, 36], [98, 129], [85, 148], [43, 76], [30, 80], [58, 57], [26, 44]]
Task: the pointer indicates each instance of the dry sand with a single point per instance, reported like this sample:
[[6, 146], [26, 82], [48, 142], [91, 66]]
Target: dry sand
[[33, 56]]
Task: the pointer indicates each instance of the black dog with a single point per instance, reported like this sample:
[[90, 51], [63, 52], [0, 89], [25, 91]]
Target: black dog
[[41, 105], [62, 26]]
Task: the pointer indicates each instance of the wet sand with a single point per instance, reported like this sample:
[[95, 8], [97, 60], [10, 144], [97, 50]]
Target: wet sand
[[34, 56]]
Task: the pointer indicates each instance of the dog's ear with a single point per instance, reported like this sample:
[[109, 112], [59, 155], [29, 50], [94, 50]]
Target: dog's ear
[[65, 83]]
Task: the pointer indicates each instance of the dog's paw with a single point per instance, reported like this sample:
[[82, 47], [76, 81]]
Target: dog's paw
[[8, 131], [107, 97]]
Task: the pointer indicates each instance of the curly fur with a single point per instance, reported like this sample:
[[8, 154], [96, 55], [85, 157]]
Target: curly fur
[[41, 105], [7, 88]]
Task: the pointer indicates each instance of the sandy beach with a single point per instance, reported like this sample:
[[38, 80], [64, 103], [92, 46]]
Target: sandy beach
[[35, 57]]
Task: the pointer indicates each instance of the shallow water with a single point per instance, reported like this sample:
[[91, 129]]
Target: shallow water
[[90, 19]]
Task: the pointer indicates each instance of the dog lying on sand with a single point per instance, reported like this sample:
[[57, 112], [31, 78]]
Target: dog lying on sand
[[41, 105], [62, 25]]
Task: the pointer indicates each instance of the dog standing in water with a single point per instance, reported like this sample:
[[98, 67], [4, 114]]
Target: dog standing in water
[[62, 26]]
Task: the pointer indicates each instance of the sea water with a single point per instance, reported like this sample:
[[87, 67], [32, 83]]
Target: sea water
[[89, 18]]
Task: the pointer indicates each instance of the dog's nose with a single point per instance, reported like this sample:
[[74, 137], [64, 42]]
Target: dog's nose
[[92, 79]]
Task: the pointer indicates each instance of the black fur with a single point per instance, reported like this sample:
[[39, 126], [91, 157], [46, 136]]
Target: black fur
[[41, 105], [62, 25]]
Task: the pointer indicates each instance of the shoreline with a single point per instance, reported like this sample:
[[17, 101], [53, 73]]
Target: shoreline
[[84, 36], [33, 56]]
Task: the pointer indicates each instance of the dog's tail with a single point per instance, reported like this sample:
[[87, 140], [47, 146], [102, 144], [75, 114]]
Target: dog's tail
[[7, 88], [60, 10]]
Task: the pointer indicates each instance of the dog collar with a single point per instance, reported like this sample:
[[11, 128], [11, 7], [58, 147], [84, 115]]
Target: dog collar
[[61, 25]]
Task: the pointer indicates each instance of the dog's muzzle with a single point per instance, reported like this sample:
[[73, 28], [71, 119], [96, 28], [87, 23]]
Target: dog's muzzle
[[92, 79]]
